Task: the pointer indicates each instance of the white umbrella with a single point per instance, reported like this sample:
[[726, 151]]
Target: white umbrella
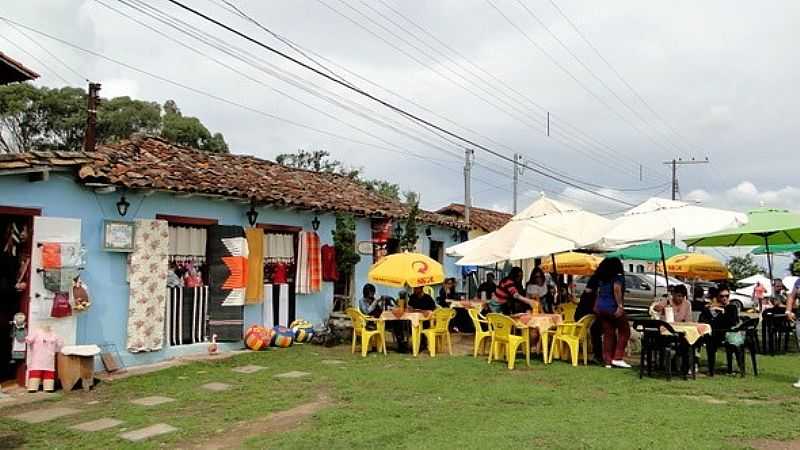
[[659, 219], [465, 247], [788, 282], [544, 228]]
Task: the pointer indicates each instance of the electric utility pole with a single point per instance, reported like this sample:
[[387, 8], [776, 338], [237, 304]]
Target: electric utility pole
[[681, 162], [517, 172], [469, 155], [90, 135]]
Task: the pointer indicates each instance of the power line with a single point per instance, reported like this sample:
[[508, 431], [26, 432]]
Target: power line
[[516, 110], [588, 69], [385, 103], [49, 53], [33, 57], [571, 75], [616, 72], [305, 52]]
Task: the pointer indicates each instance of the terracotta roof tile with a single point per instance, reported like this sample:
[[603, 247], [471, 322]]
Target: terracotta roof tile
[[485, 219]]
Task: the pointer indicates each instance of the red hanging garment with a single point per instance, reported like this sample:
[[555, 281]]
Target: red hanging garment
[[329, 272]]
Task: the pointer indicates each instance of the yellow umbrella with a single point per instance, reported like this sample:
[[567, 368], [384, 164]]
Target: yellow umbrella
[[696, 265], [406, 269], [572, 263]]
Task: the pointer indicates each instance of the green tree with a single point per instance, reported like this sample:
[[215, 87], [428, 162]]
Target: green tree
[[189, 131], [321, 161], [742, 267], [41, 118], [794, 267], [408, 241], [344, 240], [120, 117]]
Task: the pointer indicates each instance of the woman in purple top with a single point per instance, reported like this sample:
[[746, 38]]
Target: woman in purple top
[[609, 310]]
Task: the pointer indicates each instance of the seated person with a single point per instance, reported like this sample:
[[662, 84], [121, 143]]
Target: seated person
[[508, 290], [487, 288], [720, 313], [420, 301], [447, 293], [369, 305], [681, 308]]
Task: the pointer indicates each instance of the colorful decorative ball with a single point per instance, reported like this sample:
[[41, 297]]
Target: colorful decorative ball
[[283, 337], [257, 337], [303, 331]]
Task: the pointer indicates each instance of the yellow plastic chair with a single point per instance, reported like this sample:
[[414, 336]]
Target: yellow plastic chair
[[439, 329], [360, 330], [568, 311], [503, 336], [481, 336], [429, 290], [574, 335]]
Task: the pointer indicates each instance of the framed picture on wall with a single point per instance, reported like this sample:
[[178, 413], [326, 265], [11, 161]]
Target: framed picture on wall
[[118, 236]]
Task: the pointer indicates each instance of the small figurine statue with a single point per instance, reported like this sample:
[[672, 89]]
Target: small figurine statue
[[18, 331], [213, 348]]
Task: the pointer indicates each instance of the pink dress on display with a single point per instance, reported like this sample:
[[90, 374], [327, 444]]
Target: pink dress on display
[[42, 349]]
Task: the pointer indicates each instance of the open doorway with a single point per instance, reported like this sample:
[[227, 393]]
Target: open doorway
[[16, 226]]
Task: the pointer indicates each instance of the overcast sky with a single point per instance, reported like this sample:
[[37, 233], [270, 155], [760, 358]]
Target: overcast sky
[[716, 79]]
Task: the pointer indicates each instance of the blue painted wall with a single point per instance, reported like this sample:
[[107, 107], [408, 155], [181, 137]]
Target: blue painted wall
[[105, 274]]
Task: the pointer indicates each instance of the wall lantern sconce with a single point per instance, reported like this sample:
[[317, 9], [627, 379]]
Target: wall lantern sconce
[[315, 223], [398, 231], [122, 206], [252, 215], [428, 232]]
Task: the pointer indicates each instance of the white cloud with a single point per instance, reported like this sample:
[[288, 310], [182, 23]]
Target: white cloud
[[120, 87]]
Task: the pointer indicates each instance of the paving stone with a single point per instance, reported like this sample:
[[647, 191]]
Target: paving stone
[[148, 432], [152, 401], [332, 362], [97, 425], [45, 415], [216, 386], [248, 369], [293, 374]]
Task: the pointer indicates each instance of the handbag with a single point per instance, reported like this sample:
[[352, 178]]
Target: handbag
[[51, 255], [61, 306], [59, 280]]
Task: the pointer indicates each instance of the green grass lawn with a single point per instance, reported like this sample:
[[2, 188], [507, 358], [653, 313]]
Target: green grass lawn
[[447, 402]]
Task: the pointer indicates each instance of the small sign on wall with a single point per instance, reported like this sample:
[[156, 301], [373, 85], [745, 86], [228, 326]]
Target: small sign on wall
[[118, 236], [365, 247]]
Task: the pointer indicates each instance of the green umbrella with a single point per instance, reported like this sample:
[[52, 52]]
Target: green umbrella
[[650, 251], [777, 249], [765, 226]]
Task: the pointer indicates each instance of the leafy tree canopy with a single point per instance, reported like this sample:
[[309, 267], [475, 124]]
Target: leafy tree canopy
[[41, 118], [742, 267]]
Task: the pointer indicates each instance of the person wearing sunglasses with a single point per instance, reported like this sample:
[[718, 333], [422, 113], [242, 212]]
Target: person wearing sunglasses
[[720, 313]]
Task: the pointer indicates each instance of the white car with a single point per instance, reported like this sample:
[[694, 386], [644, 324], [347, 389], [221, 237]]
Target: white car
[[741, 301]]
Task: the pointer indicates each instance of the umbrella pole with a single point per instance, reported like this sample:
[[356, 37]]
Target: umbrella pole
[[555, 272], [769, 260], [664, 262]]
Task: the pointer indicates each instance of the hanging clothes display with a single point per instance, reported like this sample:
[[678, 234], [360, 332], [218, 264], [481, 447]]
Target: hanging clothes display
[[279, 258], [254, 293], [186, 313], [147, 274], [227, 268], [279, 245], [329, 272], [309, 264]]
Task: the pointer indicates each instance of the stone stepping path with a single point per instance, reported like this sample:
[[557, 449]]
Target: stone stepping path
[[248, 369], [152, 401], [148, 432], [45, 415], [216, 387], [333, 362], [292, 375], [97, 425]]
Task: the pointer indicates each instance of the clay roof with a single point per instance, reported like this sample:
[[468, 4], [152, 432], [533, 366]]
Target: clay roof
[[151, 163], [12, 70], [485, 219]]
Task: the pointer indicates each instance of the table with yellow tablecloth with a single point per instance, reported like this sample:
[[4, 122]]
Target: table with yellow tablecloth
[[416, 319], [692, 331]]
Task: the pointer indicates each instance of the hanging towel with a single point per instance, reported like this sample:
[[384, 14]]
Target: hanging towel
[[267, 312], [227, 273], [309, 263], [329, 272], [147, 273], [254, 293]]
